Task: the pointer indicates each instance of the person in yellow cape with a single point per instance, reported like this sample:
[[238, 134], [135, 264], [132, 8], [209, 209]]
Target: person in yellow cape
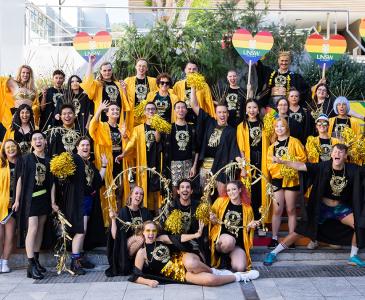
[[109, 139], [15, 92], [10, 153], [204, 96], [145, 144], [138, 87], [253, 143], [164, 98], [341, 107], [285, 181], [105, 87], [232, 229]]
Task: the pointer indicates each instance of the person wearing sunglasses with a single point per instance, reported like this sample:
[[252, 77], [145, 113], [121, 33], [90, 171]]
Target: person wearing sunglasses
[[158, 261], [164, 98], [10, 154]]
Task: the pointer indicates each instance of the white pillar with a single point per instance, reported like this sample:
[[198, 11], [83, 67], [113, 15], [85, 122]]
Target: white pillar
[[12, 18]]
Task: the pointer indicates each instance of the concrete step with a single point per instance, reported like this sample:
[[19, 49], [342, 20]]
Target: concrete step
[[300, 255]]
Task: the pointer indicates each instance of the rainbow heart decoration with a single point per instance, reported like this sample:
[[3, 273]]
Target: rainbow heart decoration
[[362, 29], [252, 48], [97, 45], [325, 52]]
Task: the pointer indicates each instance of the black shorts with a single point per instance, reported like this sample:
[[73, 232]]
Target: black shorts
[[278, 185]]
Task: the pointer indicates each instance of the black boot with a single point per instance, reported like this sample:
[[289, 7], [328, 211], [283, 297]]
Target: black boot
[[76, 267], [32, 271], [39, 267], [85, 263]]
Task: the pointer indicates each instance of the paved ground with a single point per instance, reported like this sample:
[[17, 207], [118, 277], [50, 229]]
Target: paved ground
[[313, 288], [16, 287]]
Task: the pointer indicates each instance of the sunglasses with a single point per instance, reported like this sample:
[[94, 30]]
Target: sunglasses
[[322, 123], [165, 82], [150, 230]]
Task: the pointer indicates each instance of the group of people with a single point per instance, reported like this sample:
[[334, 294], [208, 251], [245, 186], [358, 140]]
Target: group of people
[[118, 130]]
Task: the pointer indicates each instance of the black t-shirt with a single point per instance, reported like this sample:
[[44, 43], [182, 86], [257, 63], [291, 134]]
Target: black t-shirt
[[298, 116], [116, 138], [12, 179], [235, 101], [339, 125], [158, 255], [255, 134], [41, 181], [163, 104], [83, 108], [142, 90], [181, 142], [23, 140], [186, 217], [338, 186], [233, 219], [111, 93], [190, 116], [54, 98], [281, 148], [136, 217], [326, 149], [89, 179], [213, 142]]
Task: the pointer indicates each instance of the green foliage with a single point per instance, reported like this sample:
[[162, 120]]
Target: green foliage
[[345, 78]]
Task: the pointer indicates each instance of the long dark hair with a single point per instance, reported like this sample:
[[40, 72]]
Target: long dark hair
[[16, 123], [245, 117], [69, 93], [3, 157]]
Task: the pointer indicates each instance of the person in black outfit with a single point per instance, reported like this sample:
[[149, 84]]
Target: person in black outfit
[[35, 198], [123, 243]]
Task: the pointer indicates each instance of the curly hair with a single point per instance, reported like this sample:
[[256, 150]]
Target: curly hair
[[16, 123]]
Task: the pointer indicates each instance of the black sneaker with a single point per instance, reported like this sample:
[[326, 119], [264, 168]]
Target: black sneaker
[[273, 244], [292, 247], [76, 267], [86, 264]]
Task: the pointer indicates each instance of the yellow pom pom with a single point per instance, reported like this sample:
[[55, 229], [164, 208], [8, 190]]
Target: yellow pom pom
[[196, 80], [139, 109], [63, 165], [160, 124], [269, 119], [348, 136], [313, 148], [202, 212], [174, 222], [287, 172]]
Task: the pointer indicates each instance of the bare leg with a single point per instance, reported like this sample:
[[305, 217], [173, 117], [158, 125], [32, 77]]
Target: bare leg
[[9, 238], [77, 242], [277, 212], [2, 239], [193, 264], [238, 259], [226, 243], [349, 221], [31, 236], [39, 236], [207, 279], [291, 238], [290, 201]]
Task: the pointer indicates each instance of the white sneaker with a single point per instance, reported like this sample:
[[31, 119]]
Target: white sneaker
[[251, 275], [4, 267], [242, 277], [221, 272], [312, 245]]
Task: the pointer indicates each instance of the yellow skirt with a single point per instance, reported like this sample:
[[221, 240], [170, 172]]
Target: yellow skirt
[[174, 269]]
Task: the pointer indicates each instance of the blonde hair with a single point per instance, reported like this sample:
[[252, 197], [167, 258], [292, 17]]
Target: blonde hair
[[30, 83], [286, 125], [129, 199]]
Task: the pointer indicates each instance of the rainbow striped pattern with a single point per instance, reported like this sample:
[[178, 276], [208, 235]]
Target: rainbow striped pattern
[[97, 45], [252, 48], [325, 52], [362, 29]]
